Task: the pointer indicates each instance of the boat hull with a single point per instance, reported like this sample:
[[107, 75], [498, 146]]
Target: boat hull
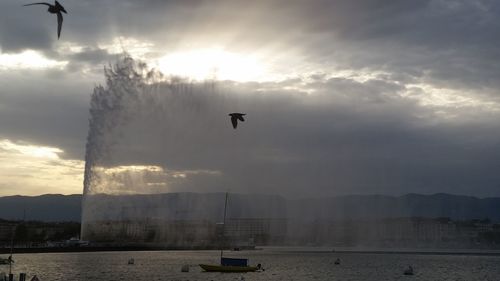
[[227, 268]]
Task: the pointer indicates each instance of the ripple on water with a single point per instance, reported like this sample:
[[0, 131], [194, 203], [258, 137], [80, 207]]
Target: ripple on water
[[280, 265]]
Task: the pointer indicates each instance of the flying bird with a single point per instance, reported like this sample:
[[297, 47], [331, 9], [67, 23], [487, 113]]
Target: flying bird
[[54, 9], [235, 117]]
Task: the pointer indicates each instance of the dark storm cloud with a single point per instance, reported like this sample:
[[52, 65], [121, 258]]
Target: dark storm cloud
[[19, 29], [93, 55], [45, 110], [90, 58]]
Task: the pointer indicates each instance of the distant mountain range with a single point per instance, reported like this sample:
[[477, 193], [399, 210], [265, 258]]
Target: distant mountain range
[[48, 207], [55, 207], [456, 207]]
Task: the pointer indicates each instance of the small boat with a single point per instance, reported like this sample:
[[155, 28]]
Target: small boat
[[223, 268], [131, 261], [230, 264], [337, 261], [408, 271]]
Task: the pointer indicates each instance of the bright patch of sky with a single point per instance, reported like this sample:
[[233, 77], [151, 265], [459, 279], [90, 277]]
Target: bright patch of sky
[[30, 169], [130, 179], [28, 59]]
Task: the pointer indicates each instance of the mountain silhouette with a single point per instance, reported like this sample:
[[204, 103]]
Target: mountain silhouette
[[56, 207]]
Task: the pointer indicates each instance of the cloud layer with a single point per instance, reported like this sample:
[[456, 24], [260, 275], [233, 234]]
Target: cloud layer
[[362, 97], [323, 136]]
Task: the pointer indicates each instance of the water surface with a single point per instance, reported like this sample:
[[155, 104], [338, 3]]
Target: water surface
[[280, 265]]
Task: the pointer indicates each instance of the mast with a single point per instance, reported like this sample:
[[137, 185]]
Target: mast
[[11, 249], [223, 227]]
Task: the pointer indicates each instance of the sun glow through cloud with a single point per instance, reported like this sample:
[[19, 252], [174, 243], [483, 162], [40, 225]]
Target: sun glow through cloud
[[212, 64], [37, 170], [125, 179], [28, 59], [31, 150]]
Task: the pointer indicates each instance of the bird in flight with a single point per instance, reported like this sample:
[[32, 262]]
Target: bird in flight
[[54, 9], [235, 117]]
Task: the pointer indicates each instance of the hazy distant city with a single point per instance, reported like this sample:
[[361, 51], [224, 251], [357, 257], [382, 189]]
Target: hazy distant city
[[192, 221]]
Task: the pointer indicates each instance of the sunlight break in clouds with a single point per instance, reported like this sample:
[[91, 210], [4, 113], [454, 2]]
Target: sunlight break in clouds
[[31, 150], [37, 170], [125, 179], [212, 63], [28, 59], [430, 96]]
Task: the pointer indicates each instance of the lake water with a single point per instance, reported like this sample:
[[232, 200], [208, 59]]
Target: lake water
[[279, 264]]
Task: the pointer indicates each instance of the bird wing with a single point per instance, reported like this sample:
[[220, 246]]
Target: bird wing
[[234, 121], [60, 7], [59, 24], [240, 117], [39, 3]]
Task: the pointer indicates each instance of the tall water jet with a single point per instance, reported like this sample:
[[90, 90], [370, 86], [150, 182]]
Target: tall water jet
[[152, 141]]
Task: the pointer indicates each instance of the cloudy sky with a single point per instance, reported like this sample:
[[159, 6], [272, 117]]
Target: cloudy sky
[[343, 97]]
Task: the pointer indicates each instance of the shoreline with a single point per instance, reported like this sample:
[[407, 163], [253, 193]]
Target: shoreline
[[438, 253], [84, 249], [460, 252]]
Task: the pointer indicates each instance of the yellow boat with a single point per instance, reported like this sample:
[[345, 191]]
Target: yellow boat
[[228, 268]]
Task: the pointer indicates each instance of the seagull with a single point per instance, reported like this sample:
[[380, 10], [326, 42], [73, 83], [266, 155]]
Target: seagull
[[235, 117], [54, 9]]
